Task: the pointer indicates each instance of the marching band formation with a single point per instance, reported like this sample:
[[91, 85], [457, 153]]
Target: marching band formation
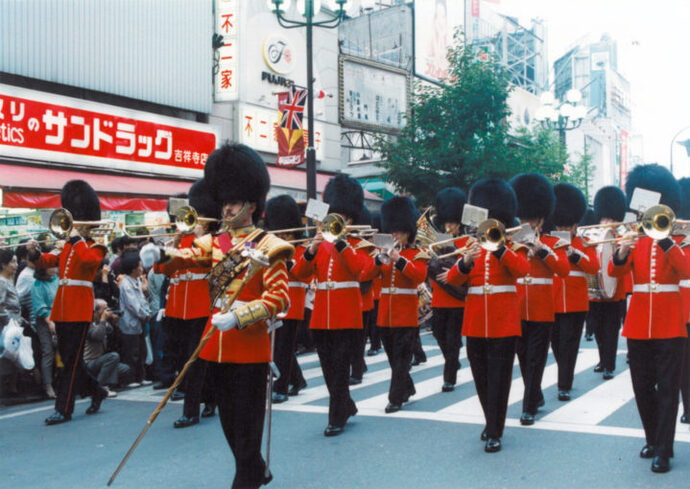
[[523, 278]]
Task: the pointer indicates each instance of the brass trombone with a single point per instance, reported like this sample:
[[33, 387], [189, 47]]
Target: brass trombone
[[491, 235], [186, 219], [333, 228], [61, 223]]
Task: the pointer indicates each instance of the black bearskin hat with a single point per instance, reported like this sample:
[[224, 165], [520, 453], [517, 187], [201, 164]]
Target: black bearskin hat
[[534, 194], [684, 211], [448, 205], [658, 179], [589, 218], [376, 220], [495, 195], [282, 212], [344, 195], [570, 205], [81, 200], [399, 214], [237, 173], [364, 218], [201, 199], [129, 260], [609, 202]]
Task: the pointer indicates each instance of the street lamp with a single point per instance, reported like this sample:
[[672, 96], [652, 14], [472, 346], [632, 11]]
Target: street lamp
[[683, 143], [562, 116], [309, 9]]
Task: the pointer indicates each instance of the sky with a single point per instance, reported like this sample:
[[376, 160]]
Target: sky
[[653, 52]]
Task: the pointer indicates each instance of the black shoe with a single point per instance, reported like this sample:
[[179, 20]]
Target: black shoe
[[684, 419], [589, 337], [353, 411], [393, 408], [484, 436], [608, 375], [96, 401], [354, 381], [527, 419], [660, 464], [161, 385], [541, 402], [414, 362], [598, 368], [563, 395], [57, 418], [296, 388], [647, 451], [209, 410], [332, 430], [447, 387], [492, 445], [372, 352], [184, 422], [278, 398], [177, 396]]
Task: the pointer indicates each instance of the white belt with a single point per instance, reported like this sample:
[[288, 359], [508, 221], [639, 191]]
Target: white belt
[[535, 281], [337, 285], [300, 285], [491, 289], [77, 283], [684, 283], [655, 288], [188, 277], [398, 291], [577, 274], [222, 301]]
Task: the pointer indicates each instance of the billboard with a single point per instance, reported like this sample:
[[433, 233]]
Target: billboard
[[435, 22]]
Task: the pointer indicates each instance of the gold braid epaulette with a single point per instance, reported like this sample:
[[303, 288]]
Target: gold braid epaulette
[[275, 248]]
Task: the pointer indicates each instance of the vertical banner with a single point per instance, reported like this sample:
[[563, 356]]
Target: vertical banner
[[623, 149], [475, 8], [225, 78], [289, 133]]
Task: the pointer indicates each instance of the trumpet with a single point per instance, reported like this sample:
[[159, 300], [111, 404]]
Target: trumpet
[[61, 223]]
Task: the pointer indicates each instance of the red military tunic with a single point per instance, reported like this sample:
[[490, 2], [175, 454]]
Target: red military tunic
[[656, 309], [536, 288], [77, 268], [398, 303], [297, 291], [268, 289], [571, 293], [188, 296], [685, 283], [338, 301], [439, 297], [492, 307], [364, 251]]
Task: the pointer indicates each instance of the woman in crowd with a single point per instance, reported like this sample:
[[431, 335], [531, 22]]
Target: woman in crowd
[[10, 308], [43, 293]]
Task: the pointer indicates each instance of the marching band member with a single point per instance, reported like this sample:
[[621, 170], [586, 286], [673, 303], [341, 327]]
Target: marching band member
[[570, 293], [337, 314], [491, 322], [239, 351], [401, 273], [605, 315], [372, 329], [655, 326], [186, 311], [448, 302], [536, 199], [72, 311], [682, 241], [282, 212]]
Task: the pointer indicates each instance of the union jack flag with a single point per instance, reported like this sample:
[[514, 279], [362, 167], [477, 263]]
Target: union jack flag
[[293, 110]]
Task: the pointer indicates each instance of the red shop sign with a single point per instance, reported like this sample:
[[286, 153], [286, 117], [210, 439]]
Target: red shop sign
[[42, 126]]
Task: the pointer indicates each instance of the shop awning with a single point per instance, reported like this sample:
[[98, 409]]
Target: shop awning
[[38, 187]]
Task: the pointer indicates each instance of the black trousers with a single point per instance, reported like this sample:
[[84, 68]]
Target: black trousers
[[685, 376], [417, 350], [446, 324], [357, 364], [193, 382], [372, 328], [284, 355], [655, 368], [241, 396], [181, 339], [565, 343], [75, 378], [333, 348], [304, 336], [606, 324], [491, 361], [133, 354], [398, 344], [532, 350]]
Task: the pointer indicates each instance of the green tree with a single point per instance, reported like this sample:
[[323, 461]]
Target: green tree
[[458, 133], [581, 174]]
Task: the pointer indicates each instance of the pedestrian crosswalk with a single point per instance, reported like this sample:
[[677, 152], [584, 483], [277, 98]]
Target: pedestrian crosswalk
[[597, 406]]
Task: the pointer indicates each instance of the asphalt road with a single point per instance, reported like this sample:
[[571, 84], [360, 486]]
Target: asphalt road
[[591, 441]]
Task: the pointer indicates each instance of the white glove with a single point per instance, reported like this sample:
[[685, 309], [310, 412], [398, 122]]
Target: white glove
[[159, 316], [224, 322], [149, 254]]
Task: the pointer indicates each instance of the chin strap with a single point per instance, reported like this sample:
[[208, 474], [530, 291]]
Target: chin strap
[[230, 223]]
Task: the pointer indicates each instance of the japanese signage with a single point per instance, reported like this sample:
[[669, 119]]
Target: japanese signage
[[435, 22], [372, 95], [226, 74], [258, 130], [42, 126]]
